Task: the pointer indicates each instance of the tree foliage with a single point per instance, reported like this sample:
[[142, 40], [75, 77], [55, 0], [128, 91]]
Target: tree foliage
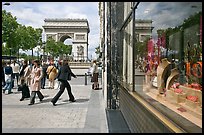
[[57, 48], [17, 36], [9, 25]]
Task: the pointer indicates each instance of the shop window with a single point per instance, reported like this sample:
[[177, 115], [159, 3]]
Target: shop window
[[127, 56], [168, 63]]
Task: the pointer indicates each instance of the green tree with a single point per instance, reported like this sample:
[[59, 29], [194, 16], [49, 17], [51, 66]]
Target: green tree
[[57, 48], [97, 50], [9, 25]]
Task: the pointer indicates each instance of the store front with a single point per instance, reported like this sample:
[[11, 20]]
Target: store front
[[154, 64]]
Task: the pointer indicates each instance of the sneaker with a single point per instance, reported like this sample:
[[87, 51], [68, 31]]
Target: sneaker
[[31, 104]]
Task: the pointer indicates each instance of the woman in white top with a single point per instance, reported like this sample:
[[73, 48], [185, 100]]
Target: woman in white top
[[15, 66], [95, 75]]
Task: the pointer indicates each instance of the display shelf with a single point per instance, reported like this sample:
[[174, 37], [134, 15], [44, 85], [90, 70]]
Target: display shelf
[[196, 111], [194, 92], [175, 97], [192, 104]]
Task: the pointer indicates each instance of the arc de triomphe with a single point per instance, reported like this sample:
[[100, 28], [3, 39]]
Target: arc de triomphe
[[75, 29]]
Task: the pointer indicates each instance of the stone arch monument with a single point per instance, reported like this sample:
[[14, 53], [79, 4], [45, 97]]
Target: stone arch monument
[[75, 29]]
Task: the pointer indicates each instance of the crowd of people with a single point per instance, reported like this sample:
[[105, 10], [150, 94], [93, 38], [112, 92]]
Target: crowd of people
[[30, 78]]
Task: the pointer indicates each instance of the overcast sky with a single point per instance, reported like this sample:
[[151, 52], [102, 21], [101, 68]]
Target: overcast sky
[[163, 14], [34, 13]]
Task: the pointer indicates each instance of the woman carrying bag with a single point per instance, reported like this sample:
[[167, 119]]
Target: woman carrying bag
[[51, 72]]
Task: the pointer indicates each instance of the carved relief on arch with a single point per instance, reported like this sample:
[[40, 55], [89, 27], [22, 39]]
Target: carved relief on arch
[[51, 36]]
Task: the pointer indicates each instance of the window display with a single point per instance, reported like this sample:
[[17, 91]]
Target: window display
[[173, 58]]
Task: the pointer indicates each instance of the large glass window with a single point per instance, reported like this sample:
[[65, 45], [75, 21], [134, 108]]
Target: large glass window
[[168, 55], [127, 44]]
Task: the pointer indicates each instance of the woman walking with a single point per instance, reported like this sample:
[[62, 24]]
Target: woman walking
[[36, 75], [24, 73], [62, 76], [51, 72], [8, 78]]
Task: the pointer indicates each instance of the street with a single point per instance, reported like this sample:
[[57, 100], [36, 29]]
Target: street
[[86, 115]]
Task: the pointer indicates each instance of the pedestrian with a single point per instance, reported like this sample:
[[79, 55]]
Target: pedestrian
[[30, 64], [3, 74], [58, 68], [63, 76], [25, 72], [8, 78], [44, 69], [22, 70], [15, 66], [36, 75], [95, 76], [52, 73]]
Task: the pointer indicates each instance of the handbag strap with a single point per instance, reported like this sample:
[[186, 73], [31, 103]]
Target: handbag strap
[[51, 70]]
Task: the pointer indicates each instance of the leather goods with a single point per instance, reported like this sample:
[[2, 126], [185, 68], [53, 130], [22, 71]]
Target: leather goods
[[161, 72], [174, 75]]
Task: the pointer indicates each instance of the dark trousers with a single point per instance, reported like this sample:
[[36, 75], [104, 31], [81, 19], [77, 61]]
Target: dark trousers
[[15, 75], [63, 85], [25, 91], [43, 82], [32, 97]]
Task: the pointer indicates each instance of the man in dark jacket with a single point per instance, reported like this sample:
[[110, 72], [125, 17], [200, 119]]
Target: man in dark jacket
[[62, 76]]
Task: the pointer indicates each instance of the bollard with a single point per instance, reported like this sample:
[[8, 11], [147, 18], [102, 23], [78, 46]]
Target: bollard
[[85, 79]]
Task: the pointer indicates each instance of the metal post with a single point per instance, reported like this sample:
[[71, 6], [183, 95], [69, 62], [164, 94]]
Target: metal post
[[10, 54], [85, 79]]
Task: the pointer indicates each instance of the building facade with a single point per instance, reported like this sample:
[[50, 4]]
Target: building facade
[[162, 93]]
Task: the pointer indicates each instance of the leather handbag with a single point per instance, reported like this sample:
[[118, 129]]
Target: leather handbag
[[49, 73]]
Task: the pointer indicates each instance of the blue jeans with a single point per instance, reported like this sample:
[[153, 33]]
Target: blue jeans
[[8, 86]]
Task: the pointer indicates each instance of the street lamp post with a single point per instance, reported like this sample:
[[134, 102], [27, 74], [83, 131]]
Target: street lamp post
[[44, 39], [10, 54]]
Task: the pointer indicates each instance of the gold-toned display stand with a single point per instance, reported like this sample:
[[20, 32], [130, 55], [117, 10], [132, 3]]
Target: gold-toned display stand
[[161, 72], [174, 75]]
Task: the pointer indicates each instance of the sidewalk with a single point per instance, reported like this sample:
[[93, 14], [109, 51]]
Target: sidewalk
[[86, 115]]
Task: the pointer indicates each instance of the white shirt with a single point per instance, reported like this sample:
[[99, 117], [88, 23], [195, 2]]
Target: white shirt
[[95, 68], [15, 68]]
